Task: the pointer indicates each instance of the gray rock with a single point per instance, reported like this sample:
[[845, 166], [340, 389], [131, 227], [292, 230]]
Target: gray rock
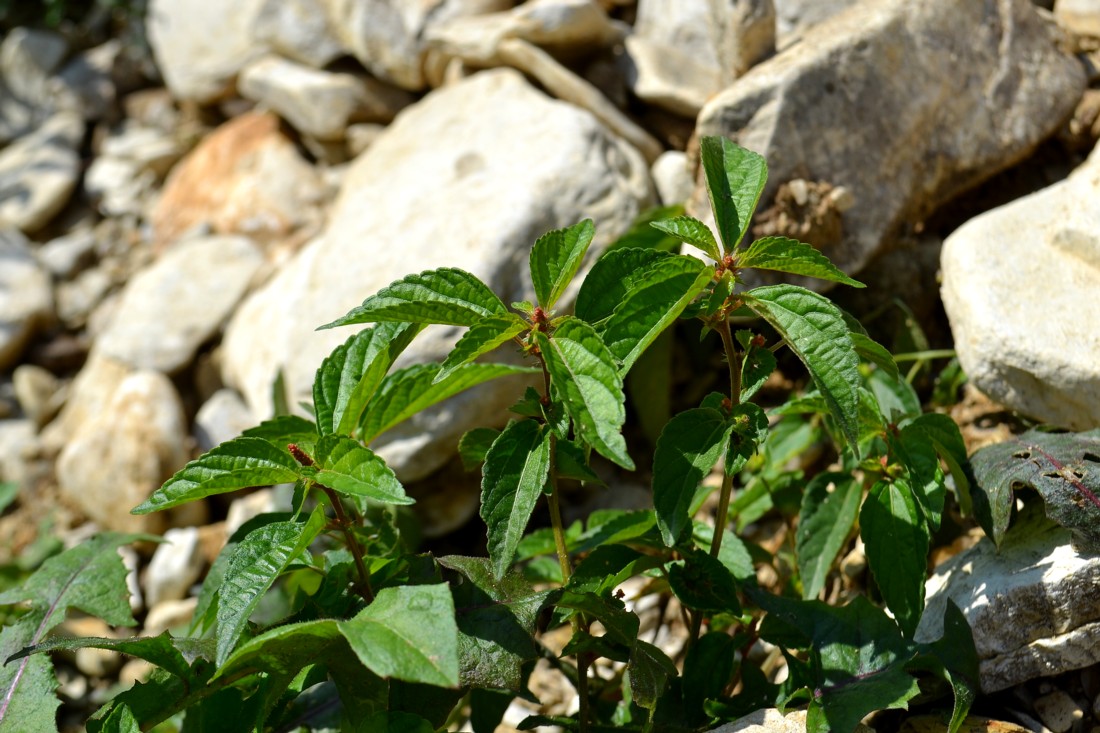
[[1034, 606], [870, 104], [319, 103], [66, 254], [26, 298], [39, 171], [119, 456], [296, 29], [176, 565], [669, 77], [150, 148], [794, 17], [88, 80], [497, 163], [222, 417], [27, 58], [173, 306], [1019, 285]]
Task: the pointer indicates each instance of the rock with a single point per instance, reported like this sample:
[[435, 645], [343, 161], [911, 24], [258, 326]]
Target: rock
[[17, 439], [262, 501], [672, 177], [361, 135], [169, 309], [39, 171], [222, 417], [1058, 711], [175, 567], [27, 96], [26, 299], [91, 662], [1081, 17], [481, 155], [245, 178], [389, 39], [66, 254], [295, 29], [818, 111], [35, 388], [169, 615], [149, 148], [119, 456], [1034, 606], [319, 103], [668, 77], [200, 45], [773, 721], [794, 17], [1018, 287], [88, 80], [130, 560], [131, 162], [77, 298]]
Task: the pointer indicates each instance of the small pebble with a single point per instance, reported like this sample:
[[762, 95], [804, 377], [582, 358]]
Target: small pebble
[[1059, 711]]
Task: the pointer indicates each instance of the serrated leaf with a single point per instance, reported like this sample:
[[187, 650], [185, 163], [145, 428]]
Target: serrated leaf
[[348, 377], [917, 453], [944, 434], [516, 468], [408, 633], [621, 625], [830, 505], [571, 462], [897, 400], [473, 446], [607, 566], [694, 232], [555, 259], [448, 295], [783, 254], [875, 353], [284, 650], [735, 178], [121, 720], [609, 280], [584, 377], [496, 623], [687, 450], [750, 430], [237, 464], [405, 392], [171, 654], [815, 330], [650, 670], [257, 561], [843, 707], [482, 338], [703, 583], [349, 468], [89, 577], [654, 301], [897, 539], [284, 429], [1063, 467]]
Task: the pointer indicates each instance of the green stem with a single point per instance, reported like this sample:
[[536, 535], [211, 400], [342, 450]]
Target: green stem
[[342, 522]]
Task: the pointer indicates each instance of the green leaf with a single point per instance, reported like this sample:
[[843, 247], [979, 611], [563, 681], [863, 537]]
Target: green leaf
[[750, 430], [703, 583], [409, 633], [692, 231], [388, 721], [515, 472], [757, 364], [607, 566], [897, 542], [708, 668], [1063, 467], [448, 295], [89, 577], [650, 670], [171, 654], [797, 258], [496, 624], [284, 429], [687, 450], [843, 707], [121, 720], [555, 259], [284, 650], [815, 330], [257, 561], [917, 453], [643, 236], [875, 353], [583, 375], [735, 178], [830, 505], [237, 464], [733, 553], [897, 400], [610, 279], [481, 339], [571, 462], [620, 625], [654, 301], [349, 468], [944, 435], [955, 658], [408, 391], [473, 446], [8, 491], [348, 377]]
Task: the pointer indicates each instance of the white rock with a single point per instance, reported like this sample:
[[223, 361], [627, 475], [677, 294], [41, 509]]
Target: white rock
[[169, 615], [1058, 711], [262, 501], [773, 721], [497, 164], [868, 104], [39, 171], [89, 395], [118, 457], [672, 178], [26, 298], [1032, 606], [794, 17], [176, 565], [1080, 16], [222, 417], [77, 298], [150, 148], [34, 388], [17, 438], [130, 560], [319, 103], [299, 30], [200, 45], [88, 82], [118, 186], [1019, 285], [176, 304], [27, 58], [64, 255], [668, 77]]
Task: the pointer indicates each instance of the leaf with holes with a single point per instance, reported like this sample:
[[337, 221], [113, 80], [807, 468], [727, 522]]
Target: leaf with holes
[[448, 295], [555, 259], [1063, 467]]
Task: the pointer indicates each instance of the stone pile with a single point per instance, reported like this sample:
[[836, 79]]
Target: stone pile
[[168, 245]]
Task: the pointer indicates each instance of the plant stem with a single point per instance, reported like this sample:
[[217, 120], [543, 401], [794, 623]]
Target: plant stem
[[342, 522]]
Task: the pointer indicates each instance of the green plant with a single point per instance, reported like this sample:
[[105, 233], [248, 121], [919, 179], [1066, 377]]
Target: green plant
[[391, 639]]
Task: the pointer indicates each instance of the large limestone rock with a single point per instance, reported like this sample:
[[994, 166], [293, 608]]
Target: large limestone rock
[[28, 95], [904, 105], [168, 310], [295, 29], [1019, 287], [469, 177], [26, 298], [244, 178], [39, 171], [1033, 606], [794, 17]]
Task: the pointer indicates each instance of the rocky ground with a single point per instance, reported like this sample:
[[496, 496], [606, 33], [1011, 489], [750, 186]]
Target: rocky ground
[[186, 196]]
